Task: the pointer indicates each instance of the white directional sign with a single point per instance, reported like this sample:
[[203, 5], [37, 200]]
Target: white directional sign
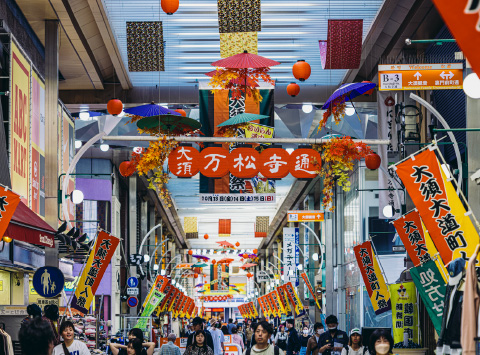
[[132, 291]]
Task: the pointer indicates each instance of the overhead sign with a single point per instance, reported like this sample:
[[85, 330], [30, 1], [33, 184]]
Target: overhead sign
[[244, 199], [255, 130], [420, 76], [132, 282], [132, 291], [289, 250], [48, 281], [135, 259], [305, 216], [262, 278], [132, 301]]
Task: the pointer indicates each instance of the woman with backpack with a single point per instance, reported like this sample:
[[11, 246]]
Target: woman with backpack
[[355, 346], [281, 338]]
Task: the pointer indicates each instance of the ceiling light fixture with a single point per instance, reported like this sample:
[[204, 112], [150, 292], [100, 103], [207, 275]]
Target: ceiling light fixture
[[307, 108], [471, 86]]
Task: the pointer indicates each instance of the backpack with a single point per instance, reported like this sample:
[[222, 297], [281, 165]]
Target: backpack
[[364, 349], [276, 350]]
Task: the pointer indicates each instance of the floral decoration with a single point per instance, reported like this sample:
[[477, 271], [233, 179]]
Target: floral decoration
[[225, 79], [337, 109], [339, 155]]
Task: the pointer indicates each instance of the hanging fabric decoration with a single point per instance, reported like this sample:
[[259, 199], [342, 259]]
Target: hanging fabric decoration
[[404, 313], [190, 225], [224, 227], [145, 46], [239, 16], [237, 42], [261, 226]]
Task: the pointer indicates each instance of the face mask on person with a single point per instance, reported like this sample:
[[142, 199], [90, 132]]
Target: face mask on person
[[382, 349], [305, 331], [320, 331], [332, 329]]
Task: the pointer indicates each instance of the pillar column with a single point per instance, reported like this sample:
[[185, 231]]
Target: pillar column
[[51, 132], [132, 229]]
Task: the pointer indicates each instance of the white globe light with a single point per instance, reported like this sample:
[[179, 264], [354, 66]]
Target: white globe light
[[277, 281], [104, 147], [349, 111], [315, 256], [300, 267], [290, 272], [84, 116], [388, 211], [173, 282], [78, 144], [446, 170], [77, 196], [307, 108], [471, 86], [155, 267], [146, 258], [162, 272]]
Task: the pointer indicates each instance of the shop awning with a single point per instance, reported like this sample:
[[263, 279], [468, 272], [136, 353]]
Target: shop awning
[[27, 226]]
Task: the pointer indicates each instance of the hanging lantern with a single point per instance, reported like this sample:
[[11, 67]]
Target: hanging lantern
[[237, 244], [293, 89], [369, 92], [373, 161], [126, 168], [195, 275], [170, 6], [255, 251], [301, 70], [114, 107], [181, 111], [205, 236], [190, 252], [214, 261], [7, 239]]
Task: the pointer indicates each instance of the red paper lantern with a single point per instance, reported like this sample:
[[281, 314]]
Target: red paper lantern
[[181, 111], [214, 261], [114, 107], [255, 251], [126, 168], [301, 163], [243, 162], [170, 6], [237, 244], [214, 162], [205, 236], [274, 163], [373, 161], [195, 275], [190, 252], [293, 89], [301, 70], [184, 162], [369, 92]]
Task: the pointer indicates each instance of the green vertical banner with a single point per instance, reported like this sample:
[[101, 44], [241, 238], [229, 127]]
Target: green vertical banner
[[431, 287], [154, 300], [404, 312]]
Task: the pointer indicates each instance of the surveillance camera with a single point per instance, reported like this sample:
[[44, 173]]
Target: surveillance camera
[[476, 177]]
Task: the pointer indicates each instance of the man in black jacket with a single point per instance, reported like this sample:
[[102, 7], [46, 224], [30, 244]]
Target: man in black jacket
[[198, 325], [293, 342], [334, 340]]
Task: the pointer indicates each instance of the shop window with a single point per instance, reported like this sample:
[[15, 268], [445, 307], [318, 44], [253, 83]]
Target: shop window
[[382, 233]]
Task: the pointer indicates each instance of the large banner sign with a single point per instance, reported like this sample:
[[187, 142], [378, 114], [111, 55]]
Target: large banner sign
[[290, 250], [92, 274], [20, 124], [439, 206], [431, 287], [9, 201], [373, 278], [294, 299], [404, 312], [153, 300]]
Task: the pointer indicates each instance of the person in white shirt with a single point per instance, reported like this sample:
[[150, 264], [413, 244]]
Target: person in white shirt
[[355, 346], [218, 339], [73, 347]]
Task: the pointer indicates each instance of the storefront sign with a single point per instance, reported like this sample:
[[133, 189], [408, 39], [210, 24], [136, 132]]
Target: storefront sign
[[305, 216], [404, 312], [255, 130], [289, 251], [431, 287], [244, 199], [97, 263], [48, 281], [244, 163], [262, 277], [20, 124], [13, 311], [373, 278], [9, 201], [420, 76], [461, 18], [440, 207]]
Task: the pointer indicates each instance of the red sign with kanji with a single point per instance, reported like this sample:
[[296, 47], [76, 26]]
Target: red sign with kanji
[[273, 163], [184, 162]]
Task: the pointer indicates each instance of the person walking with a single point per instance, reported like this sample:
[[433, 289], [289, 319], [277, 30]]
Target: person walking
[[293, 342], [355, 346], [134, 333], [230, 325], [281, 338], [36, 337], [242, 334], [170, 348], [249, 334], [237, 338], [199, 345], [312, 346], [304, 340], [197, 324], [333, 340], [70, 345], [263, 331], [218, 340]]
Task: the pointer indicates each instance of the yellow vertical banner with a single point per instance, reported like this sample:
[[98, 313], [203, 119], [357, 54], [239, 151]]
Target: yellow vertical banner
[[404, 312], [20, 124]]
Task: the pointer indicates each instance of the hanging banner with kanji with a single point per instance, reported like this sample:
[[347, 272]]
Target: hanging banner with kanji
[[441, 209], [294, 299], [278, 303], [9, 201], [159, 285], [431, 287], [404, 312], [373, 278], [92, 274], [171, 299], [284, 299], [417, 241], [152, 302], [310, 288]]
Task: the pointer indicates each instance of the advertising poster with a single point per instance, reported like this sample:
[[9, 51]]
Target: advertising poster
[[20, 124], [404, 312]]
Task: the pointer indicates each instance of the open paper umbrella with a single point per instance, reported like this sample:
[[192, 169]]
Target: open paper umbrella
[[246, 266], [233, 285], [150, 110], [199, 285], [236, 289], [169, 123], [200, 257], [242, 118], [348, 92], [245, 60], [201, 291], [225, 261], [225, 244], [200, 265], [184, 266], [237, 81]]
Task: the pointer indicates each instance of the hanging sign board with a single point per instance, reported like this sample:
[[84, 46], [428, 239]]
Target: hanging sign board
[[420, 76], [404, 312], [305, 216]]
